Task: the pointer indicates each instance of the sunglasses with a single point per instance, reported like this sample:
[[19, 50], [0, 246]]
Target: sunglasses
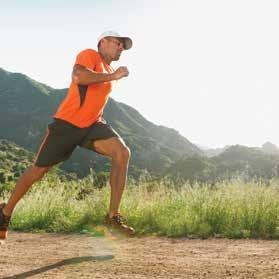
[[115, 41]]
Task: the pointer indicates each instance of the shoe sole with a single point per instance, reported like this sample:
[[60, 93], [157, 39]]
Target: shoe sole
[[115, 229]]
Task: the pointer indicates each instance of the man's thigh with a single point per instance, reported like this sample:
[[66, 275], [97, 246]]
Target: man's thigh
[[109, 146], [103, 139]]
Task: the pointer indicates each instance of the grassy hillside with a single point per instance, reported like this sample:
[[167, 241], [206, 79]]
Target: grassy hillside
[[26, 107]]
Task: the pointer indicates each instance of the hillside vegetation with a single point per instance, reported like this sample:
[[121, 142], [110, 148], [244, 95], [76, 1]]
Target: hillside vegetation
[[27, 106], [13, 161]]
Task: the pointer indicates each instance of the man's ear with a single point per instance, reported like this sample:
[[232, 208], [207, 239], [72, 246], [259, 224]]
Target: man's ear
[[102, 41]]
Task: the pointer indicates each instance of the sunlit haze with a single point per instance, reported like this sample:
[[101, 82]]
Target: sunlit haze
[[208, 69]]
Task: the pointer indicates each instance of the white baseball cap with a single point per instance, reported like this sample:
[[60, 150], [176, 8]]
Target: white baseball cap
[[127, 41]]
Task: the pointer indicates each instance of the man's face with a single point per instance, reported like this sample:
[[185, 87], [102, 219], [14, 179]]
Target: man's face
[[114, 47]]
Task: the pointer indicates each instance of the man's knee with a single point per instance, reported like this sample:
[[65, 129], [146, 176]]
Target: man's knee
[[38, 172], [122, 155]]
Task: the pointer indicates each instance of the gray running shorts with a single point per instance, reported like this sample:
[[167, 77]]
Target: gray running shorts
[[62, 138]]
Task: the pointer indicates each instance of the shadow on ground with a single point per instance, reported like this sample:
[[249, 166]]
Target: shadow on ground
[[59, 264]]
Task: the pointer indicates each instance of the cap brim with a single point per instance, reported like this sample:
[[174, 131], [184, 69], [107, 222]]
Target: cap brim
[[128, 43]]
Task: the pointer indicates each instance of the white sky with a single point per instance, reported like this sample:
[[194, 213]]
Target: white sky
[[209, 69]]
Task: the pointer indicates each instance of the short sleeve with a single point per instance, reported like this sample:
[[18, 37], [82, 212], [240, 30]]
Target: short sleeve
[[87, 58]]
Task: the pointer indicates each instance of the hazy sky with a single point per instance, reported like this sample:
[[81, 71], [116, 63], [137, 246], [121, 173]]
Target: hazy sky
[[208, 68]]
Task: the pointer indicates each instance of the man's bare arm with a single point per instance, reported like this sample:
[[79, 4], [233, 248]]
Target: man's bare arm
[[84, 76]]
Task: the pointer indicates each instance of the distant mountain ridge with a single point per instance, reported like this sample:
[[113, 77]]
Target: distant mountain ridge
[[267, 148], [235, 161], [26, 107], [211, 152]]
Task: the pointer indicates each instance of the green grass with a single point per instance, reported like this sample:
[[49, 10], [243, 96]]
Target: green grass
[[229, 209]]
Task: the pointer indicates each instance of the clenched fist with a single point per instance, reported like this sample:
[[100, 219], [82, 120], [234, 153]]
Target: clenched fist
[[120, 73]]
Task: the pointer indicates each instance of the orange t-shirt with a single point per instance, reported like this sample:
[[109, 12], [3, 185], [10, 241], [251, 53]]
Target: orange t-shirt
[[84, 105]]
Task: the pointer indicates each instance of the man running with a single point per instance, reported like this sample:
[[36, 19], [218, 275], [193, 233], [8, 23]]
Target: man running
[[78, 122]]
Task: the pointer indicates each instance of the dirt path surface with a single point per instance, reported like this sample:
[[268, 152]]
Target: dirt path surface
[[26, 255]]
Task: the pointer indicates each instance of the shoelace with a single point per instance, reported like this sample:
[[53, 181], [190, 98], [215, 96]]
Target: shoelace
[[119, 219]]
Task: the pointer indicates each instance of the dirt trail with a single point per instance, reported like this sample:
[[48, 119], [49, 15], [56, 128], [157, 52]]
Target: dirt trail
[[27, 255]]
